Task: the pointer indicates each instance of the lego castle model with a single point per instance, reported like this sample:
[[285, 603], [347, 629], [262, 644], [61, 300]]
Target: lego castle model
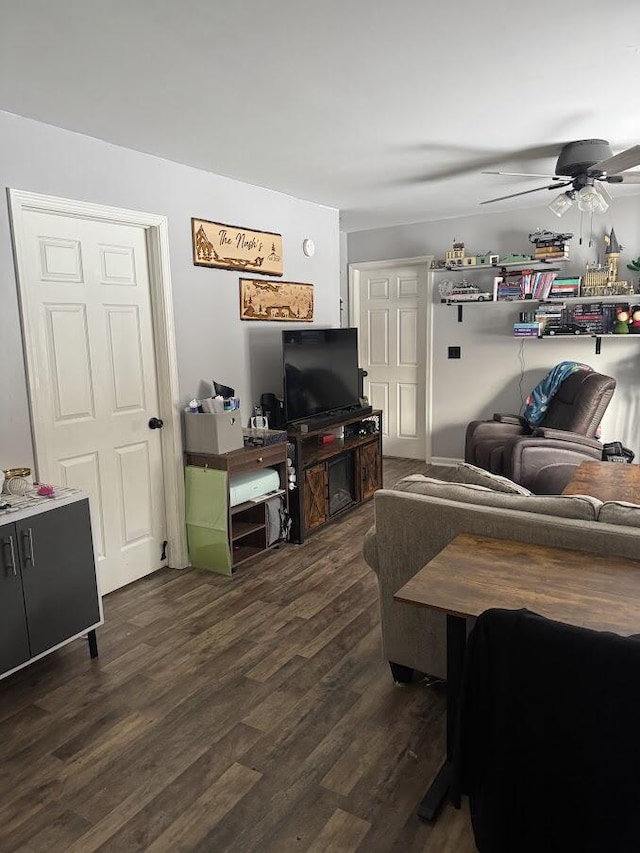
[[456, 258], [602, 279]]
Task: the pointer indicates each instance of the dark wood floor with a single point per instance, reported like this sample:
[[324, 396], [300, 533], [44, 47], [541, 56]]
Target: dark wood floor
[[252, 714]]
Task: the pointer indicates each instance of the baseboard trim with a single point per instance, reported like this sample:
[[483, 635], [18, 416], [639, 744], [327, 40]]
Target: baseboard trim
[[449, 462]]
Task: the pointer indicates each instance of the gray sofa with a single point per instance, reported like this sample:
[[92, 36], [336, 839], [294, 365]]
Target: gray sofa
[[419, 516]]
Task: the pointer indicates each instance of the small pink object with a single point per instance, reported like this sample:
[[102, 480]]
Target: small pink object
[[46, 491]]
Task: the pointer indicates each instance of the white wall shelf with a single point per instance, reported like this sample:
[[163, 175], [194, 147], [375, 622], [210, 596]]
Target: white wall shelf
[[548, 266], [589, 335], [621, 297], [514, 269]]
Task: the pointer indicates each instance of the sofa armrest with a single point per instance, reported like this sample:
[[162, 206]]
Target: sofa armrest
[[407, 534], [370, 549], [509, 419], [564, 435], [543, 464], [482, 437]]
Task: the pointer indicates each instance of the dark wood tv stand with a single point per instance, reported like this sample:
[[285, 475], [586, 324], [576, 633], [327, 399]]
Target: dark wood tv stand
[[333, 478]]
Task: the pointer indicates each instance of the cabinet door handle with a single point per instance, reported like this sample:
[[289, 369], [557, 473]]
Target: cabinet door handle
[[12, 555], [27, 548]]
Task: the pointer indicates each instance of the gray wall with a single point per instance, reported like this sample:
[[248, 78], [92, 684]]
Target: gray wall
[[211, 340], [344, 278], [487, 378]]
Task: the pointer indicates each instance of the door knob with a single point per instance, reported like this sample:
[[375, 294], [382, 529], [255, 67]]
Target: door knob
[[156, 423]]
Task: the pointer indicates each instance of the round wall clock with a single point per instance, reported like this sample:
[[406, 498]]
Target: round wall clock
[[308, 247]]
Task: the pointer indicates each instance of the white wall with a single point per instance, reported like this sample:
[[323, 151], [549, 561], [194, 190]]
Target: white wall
[[211, 340], [487, 378]]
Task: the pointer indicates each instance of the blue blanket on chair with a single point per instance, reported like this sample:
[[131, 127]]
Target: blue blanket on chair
[[538, 400]]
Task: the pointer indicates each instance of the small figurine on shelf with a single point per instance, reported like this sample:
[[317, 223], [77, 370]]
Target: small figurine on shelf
[[634, 328], [621, 325], [455, 256], [487, 259], [515, 258], [550, 245]]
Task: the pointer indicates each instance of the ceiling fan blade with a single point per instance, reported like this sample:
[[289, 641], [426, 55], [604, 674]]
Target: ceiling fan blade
[[618, 163], [526, 192], [486, 159], [525, 175]]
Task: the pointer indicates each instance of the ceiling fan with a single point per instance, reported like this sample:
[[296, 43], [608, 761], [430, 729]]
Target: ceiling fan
[[585, 166]]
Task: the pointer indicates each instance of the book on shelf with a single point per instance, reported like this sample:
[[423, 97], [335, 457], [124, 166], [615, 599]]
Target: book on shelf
[[550, 318], [538, 284], [550, 314], [544, 253], [529, 284], [565, 288], [550, 307], [595, 317], [507, 289], [527, 330], [508, 294]]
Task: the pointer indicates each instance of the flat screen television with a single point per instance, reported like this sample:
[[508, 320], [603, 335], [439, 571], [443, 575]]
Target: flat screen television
[[320, 371]]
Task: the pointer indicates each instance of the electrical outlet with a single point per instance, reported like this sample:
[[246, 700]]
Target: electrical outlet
[[454, 352]]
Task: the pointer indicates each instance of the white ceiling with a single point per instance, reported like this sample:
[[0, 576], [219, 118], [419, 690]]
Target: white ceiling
[[362, 105]]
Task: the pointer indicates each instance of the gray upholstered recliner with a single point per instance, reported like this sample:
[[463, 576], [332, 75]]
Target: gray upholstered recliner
[[544, 458]]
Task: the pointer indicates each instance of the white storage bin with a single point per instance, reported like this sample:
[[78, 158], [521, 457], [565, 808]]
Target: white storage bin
[[213, 432]]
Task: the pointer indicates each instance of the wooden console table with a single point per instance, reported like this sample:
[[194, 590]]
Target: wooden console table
[[607, 481], [475, 573], [238, 532]]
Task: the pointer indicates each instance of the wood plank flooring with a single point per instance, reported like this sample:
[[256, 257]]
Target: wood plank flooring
[[244, 714]]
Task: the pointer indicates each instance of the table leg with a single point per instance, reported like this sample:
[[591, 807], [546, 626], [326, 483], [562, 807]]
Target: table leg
[[93, 644], [439, 788]]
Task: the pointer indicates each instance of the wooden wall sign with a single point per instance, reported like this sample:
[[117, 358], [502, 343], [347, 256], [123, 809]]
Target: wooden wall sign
[[288, 301], [228, 247]]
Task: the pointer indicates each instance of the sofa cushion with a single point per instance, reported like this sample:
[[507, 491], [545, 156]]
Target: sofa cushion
[[479, 477], [620, 512], [581, 507]]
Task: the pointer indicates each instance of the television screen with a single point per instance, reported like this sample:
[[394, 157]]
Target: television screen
[[320, 371]]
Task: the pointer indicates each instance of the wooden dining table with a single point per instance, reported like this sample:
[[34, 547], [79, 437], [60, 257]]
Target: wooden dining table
[[607, 481], [475, 573]]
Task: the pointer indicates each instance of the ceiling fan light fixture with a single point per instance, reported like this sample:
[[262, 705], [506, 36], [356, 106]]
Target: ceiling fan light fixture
[[562, 202], [603, 206], [590, 200]]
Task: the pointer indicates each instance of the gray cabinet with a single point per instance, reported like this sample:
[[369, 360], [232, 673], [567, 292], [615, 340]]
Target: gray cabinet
[[48, 582], [14, 639]]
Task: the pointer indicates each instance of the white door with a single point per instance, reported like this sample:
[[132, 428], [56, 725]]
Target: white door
[[85, 293], [393, 345]]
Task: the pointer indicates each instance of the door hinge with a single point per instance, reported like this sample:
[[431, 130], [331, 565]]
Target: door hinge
[[163, 555]]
